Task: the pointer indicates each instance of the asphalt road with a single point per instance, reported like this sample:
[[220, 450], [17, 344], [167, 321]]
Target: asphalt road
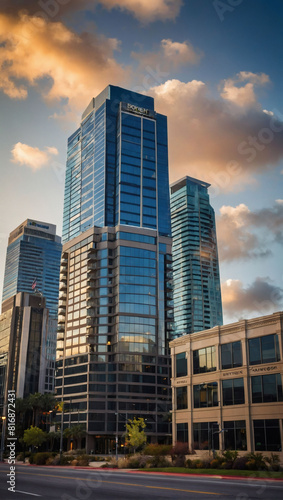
[[48, 483]]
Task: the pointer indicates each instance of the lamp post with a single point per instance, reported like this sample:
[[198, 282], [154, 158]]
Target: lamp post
[[3, 437], [61, 435]]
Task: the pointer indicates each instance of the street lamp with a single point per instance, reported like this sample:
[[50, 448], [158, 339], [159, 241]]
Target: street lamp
[[3, 438]]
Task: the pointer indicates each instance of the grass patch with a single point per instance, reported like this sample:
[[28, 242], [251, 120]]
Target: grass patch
[[219, 472]]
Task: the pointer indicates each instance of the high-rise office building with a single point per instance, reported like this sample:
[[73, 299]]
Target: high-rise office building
[[33, 259], [197, 293], [23, 344], [33, 266], [115, 307]]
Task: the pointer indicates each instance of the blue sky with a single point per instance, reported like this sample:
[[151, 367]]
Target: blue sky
[[214, 67]]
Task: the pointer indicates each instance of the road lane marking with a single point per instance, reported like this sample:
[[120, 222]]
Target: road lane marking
[[27, 493], [123, 484]]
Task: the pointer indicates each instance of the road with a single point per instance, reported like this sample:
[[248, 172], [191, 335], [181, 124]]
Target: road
[[48, 483]]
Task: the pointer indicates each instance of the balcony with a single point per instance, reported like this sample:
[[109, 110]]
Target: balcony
[[63, 286], [61, 319], [92, 266], [61, 328], [91, 303]]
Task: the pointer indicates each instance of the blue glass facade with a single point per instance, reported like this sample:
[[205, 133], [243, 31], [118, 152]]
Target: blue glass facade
[[117, 166], [197, 294], [115, 308], [34, 253]]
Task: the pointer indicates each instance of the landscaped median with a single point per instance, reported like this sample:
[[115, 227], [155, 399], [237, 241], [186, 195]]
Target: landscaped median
[[218, 472]]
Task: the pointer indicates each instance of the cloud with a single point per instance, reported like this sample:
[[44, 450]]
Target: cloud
[[244, 234], [147, 10], [170, 56], [143, 10], [243, 96], [215, 140], [72, 67], [32, 157], [259, 298]]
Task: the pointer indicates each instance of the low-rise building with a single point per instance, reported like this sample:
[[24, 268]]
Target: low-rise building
[[227, 387]]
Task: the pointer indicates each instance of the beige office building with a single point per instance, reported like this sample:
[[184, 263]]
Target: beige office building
[[227, 387]]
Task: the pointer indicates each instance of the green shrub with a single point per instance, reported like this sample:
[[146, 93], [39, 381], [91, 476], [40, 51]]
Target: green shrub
[[41, 457], [241, 463], [65, 460], [155, 449], [196, 464], [31, 458], [256, 461], [160, 461], [83, 460], [273, 462]]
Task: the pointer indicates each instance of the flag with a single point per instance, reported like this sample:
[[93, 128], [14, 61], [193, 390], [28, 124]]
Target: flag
[[33, 286]]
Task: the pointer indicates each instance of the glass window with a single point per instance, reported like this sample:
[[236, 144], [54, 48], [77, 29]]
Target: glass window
[[182, 433], [206, 436], [233, 392], [181, 365], [264, 350], [181, 398], [267, 388], [267, 435], [231, 355], [206, 395], [204, 360], [235, 437]]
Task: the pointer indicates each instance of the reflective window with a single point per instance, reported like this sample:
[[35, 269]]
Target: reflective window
[[231, 355], [206, 395], [181, 398], [204, 360], [206, 436], [267, 388], [182, 433], [235, 436], [233, 391], [264, 350], [267, 435], [181, 365]]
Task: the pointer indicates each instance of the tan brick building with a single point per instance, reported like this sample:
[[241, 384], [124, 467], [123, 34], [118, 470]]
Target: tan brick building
[[227, 387]]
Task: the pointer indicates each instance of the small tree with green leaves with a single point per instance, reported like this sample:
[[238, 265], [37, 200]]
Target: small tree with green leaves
[[34, 436], [136, 436]]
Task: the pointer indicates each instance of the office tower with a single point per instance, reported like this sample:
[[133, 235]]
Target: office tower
[[33, 266], [23, 344], [197, 294], [33, 257], [115, 304]]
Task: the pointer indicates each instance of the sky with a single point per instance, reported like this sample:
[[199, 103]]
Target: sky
[[214, 67]]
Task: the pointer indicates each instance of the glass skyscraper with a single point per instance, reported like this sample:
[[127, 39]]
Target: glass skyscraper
[[115, 308], [197, 293], [33, 255], [33, 266]]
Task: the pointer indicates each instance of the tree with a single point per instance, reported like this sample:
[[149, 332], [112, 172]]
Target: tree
[[75, 432], [136, 436], [34, 436]]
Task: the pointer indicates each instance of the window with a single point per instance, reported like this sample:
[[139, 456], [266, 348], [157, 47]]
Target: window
[[204, 360], [267, 435], [206, 395], [235, 435], [264, 350], [182, 433], [233, 392], [206, 436], [181, 398], [231, 355], [181, 365], [267, 388]]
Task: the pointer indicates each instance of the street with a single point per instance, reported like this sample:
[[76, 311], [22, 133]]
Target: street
[[70, 484]]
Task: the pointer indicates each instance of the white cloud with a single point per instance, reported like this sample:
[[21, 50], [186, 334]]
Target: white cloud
[[259, 298], [213, 140], [147, 10], [77, 66], [243, 96], [32, 157], [244, 234], [168, 57]]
